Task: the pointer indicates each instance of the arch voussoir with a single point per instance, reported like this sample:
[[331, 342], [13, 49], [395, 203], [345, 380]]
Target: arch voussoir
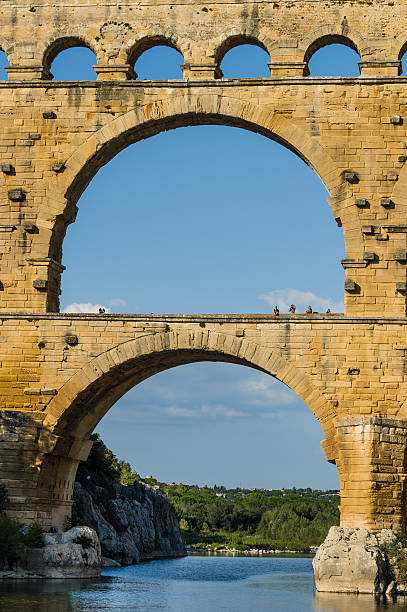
[[94, 382]]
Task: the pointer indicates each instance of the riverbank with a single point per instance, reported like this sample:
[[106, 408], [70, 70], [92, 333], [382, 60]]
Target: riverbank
[[254, 552]]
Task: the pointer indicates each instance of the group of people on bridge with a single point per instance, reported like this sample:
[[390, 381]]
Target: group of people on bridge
[[293, 308]]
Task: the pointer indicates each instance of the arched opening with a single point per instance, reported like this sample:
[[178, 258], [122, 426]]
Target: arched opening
[[403, 57], [70, 59], [246, 61], [333, 55], [227, 408], [243, 57], [3, 62], [156, 58], [247, 396], [199, 214]]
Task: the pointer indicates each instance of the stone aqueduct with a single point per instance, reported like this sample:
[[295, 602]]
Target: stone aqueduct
[[61, 373]]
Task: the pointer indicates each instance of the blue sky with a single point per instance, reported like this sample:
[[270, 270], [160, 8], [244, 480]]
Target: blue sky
[[203, 220]]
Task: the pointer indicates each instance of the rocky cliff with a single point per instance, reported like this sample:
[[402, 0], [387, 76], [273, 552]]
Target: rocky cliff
[[134, 523]]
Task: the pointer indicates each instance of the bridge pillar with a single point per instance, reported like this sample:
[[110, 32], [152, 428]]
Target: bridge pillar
[[38, 468], [371, 464]]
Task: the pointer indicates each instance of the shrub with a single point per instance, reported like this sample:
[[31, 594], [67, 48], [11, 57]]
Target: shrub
[[11, 538], [3, 497], [33, 538]]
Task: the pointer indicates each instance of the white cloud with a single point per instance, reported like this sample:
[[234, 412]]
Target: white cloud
[[211, 411], [117, 302], [283, 298], [266, 391], [85, 308]]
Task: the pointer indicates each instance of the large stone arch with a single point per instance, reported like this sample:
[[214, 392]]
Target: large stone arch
[[89, 394], [82, 401], [181, 110]]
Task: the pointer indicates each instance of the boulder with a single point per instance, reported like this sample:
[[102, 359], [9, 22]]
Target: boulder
[[355, 560], [71, 554]]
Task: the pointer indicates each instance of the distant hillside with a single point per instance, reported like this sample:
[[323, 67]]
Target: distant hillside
[[267, 519]]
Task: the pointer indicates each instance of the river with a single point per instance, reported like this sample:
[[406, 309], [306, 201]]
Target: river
[[194, 583]]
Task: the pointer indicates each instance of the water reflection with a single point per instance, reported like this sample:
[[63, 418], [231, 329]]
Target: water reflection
[[42, 595], [207, 584], [341, 602]]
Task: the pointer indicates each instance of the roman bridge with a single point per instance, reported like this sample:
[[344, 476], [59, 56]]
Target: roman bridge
[[61, 373]]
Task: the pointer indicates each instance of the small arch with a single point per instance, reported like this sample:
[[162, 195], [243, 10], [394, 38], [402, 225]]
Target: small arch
[[402, 56], [3, 63], [402, 51], [62, 44], [342, 57], [329, 39], [236, 41], [147, 43], [246, 61]]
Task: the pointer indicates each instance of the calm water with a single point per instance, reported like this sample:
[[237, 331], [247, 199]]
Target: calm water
[[201, 583]]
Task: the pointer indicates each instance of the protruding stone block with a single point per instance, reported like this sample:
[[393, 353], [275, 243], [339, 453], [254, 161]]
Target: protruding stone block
[[17, 195], [361, 202], [396, 119], [368, 229], [7, 168], [71, 339], [392, 176], [369, 256], [58, 168], [49, 114], [386, 203], [401, 286], [351, 176], [240, 333], [31, 228], [400, 255], [350, 285], [40, 283]]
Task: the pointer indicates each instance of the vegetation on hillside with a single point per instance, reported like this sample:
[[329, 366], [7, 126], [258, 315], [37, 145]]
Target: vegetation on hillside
[[103, 463], [212, 517]]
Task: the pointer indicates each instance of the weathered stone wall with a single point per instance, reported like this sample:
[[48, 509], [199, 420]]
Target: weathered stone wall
[[32, 33]]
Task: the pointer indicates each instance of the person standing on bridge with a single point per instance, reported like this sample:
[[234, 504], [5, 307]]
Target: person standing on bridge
[[309, 310], [276, 312], [292, 309]]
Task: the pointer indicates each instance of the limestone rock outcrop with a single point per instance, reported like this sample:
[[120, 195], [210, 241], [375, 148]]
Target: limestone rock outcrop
[[71, 554], [134, 523], [355, 560]]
